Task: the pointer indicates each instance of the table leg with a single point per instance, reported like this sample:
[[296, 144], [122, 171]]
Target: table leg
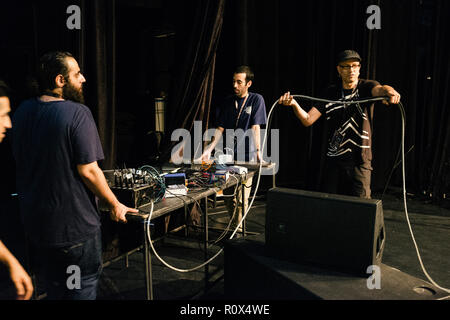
[[273, 177], [205, 221], [243, 206], [147, 266], [186, 231]]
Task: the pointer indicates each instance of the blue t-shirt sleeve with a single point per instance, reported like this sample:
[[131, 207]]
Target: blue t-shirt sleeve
[[221, 117], [224, 113], [86, 143], [259, 112]]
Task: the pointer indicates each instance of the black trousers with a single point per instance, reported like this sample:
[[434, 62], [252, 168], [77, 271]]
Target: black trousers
[[346, 178]]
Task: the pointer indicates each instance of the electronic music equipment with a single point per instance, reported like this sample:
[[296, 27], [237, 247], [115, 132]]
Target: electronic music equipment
[[132, 187]]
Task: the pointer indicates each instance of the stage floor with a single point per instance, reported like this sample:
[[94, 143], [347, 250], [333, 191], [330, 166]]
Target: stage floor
[[430, 223]]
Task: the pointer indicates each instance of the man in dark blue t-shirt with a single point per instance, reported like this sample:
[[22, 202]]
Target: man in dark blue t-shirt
[[56, 147], [349, 152], [239, 121]]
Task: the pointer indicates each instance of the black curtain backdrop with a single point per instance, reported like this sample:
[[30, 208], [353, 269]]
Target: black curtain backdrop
[[435, 166], [100, 61], [292, 47], [31, 28], [197, 42], [27, 30]]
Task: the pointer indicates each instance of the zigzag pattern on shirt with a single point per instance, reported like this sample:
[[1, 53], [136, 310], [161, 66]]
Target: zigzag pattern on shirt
[[349, 125], [345, 99], [341, 151], [333, 154], [363, 115], [334, 109], [350, 140], [350, 120]]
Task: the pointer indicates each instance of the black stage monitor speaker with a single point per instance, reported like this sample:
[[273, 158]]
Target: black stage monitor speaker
[[341, 232]]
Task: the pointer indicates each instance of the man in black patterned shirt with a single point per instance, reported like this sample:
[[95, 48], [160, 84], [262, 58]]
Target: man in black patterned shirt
[[349, 152]]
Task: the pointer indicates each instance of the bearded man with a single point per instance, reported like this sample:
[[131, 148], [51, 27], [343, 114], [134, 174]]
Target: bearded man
[[56, 146]]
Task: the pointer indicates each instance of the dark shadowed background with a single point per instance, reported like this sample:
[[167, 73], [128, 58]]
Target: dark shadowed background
[[132, 52]]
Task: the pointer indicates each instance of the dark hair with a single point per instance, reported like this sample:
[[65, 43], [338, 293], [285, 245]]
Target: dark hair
[[249, 75], [50, 65], [5, 91]]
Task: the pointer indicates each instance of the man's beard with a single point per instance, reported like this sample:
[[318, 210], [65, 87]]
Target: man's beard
[[72, 93]]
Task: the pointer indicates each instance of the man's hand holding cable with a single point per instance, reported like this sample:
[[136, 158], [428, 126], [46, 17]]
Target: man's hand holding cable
[[394, 96], [287, 99], [307, 118]]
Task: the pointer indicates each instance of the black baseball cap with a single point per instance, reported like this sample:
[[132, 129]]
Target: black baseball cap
[[347, 55]]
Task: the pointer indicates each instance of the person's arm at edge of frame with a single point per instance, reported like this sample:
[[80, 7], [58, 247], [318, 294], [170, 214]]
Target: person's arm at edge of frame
[[385, 90], [95, 180], [306, 118], [18, 275]]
